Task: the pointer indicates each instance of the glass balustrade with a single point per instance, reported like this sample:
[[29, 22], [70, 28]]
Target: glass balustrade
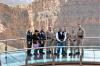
[[18, 56]]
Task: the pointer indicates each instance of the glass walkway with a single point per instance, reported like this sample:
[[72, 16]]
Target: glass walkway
[[10, 56], [18, 58]]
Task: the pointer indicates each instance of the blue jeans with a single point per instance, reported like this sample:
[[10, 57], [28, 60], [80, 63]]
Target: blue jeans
[[61, 44]]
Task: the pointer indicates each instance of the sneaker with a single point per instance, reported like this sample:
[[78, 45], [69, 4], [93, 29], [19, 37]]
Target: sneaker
[[29, 54], [48, 52], [70, 54], [77, 53], [42, 53]]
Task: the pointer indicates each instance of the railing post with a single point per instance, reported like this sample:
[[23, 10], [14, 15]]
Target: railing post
[[80, 60], [81, 55], [53, 57], [0, 62], [0, 59], [82, 52], [6, 46], [6, 50], [0, 56], [23, 43], [26, 61]]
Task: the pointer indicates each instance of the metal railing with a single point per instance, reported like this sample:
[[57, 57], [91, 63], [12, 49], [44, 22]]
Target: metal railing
[[51, 47], [22, 43], [53, 55]]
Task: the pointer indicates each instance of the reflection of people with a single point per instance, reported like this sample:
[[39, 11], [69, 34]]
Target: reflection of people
[[42, 36], [73, 42], [36, 42], [80, 36], [61, 38], [49, 39], [29, 42]]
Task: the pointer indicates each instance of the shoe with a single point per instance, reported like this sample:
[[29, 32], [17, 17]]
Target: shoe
[[70, 54], [29, 54], [48, 52], [77, 53]]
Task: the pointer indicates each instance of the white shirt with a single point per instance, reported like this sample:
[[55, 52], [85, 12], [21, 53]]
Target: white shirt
[[64, 37]]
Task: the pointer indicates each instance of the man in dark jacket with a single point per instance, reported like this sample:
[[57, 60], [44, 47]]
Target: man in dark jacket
[[36, 41], [29, 42], [42, 39]]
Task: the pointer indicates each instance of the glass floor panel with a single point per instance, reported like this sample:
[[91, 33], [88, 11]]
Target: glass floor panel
[[19, 58]]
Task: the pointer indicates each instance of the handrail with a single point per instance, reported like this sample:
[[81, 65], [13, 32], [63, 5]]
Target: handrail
[[53, 47], [25, 38], [13, 39]]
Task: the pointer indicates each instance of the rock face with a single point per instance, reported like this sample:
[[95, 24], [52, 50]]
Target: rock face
[[15, 21], [5, 18], [65, 13], [80, 11], [85, 12], [45, 13]]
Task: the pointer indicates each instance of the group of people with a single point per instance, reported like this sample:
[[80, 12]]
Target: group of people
[[61, 39], [36, 40]]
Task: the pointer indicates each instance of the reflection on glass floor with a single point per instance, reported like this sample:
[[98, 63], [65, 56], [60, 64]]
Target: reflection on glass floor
[[19, 58]]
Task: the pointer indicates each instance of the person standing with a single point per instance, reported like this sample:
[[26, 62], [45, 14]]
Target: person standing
[[50, 38], [36, 42], [42, 36], [29, 42], [61, 38], [73, 42], [80, 36]]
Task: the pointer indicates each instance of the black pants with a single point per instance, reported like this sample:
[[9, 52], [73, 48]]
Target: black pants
[[41, 45], [36, 51], [29, 45]]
